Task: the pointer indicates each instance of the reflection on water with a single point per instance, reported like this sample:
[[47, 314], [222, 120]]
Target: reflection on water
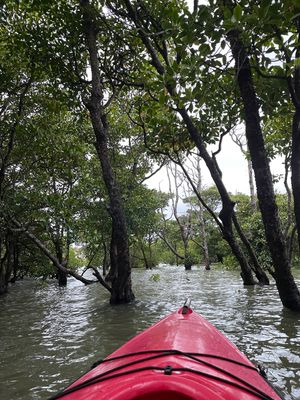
[[49, 336]]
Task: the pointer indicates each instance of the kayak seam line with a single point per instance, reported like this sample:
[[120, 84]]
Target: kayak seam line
[[101, 379], [103, 376], [176, 352]]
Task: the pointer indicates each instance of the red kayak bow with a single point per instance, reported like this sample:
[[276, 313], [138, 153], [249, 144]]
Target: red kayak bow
[[182, 357]]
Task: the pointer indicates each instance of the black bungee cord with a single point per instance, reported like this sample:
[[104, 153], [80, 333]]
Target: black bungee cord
[[113, 373]]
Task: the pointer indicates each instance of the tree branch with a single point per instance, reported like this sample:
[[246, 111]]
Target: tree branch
[[51, 257], [198, 194], [169, 246], [289, 79]]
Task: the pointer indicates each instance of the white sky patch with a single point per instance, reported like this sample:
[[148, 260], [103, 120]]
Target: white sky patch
[[234, 168]]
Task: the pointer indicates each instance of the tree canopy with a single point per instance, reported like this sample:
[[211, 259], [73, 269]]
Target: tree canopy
[[97, 95]]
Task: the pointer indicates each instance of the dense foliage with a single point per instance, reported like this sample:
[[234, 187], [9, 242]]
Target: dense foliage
[[96, 95]]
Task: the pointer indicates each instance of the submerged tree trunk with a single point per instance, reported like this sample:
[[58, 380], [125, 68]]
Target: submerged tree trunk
[[7, 144], [148, 262], [172, 248], [6, 261], [224, 221], [120, 270], [160, 61], [3, 265], [105, 261], [204, 239], [10, 258], [257, 269], [184, 224], [286, 285], [238, 140], [201, 220], [294, 89], [15, 263], [290, 243], [3, 255], [246, 272], [289, 221], [295, 167], [226, 212], [3, 284], [55, 261], [62, 276], [144, 256], [151, 261], [121, 283]]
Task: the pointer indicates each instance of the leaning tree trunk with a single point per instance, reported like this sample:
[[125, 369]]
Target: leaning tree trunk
[[293, 86], [151, 261], [147, 264], [121, 283], [204, 238], [257, 269], [295, 167], [227, 210], [289, 221], [286, 285], [201, 220], [195, 134], [184, 226], [4, 164], [54, 260], [294, 89], [227, 204]]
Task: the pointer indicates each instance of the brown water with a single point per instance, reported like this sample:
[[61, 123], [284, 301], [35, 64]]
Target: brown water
[[49, 336]]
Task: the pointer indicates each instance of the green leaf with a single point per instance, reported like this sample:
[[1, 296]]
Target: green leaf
[[296, 3], [162, 98], [251, 19], [297, 62], [204, 49], [227, 13], [237, 12]]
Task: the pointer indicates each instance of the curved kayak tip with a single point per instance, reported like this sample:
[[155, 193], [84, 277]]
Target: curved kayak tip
[[181, 357], [186, 309]]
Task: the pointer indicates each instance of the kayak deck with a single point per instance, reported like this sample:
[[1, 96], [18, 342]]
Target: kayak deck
[[182, 357]]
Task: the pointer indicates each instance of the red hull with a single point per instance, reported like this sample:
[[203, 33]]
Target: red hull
[[182, 357]]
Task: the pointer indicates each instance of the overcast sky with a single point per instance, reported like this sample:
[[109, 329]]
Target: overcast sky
[[234, 168]]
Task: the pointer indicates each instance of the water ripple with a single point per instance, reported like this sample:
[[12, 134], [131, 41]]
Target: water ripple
[[53, 335]]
